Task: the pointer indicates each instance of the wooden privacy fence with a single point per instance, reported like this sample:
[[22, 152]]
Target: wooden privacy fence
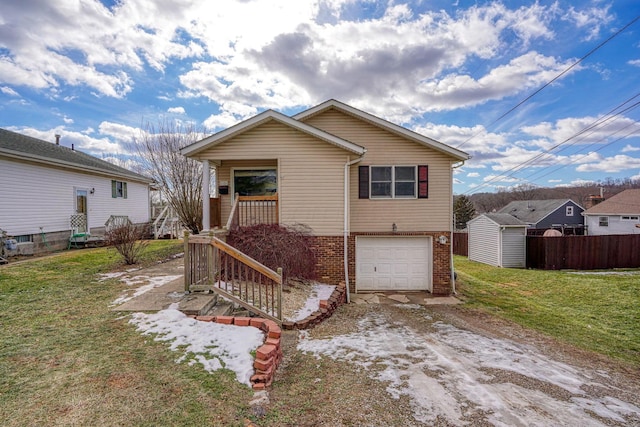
[[583, 252], [461, 244], [212, 265]]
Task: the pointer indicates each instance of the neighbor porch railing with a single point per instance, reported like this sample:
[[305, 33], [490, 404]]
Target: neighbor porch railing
[[251, 210], [212, 265]]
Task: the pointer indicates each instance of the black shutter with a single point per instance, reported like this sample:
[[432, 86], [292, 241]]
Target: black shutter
[[363, 182], [423, 182]]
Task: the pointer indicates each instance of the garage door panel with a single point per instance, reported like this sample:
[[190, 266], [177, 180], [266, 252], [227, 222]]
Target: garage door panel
[[393, 263]]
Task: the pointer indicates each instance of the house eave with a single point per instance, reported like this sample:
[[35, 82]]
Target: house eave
[[48, 162], [197, 147], [384, 124]]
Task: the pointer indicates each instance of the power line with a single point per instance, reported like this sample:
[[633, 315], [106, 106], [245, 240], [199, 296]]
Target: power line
[[633, 21], [598, 122]]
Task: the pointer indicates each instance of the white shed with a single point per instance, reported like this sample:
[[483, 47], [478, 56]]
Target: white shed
[[498, 239]]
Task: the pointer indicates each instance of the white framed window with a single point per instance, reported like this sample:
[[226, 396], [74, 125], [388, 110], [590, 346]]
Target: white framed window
[[393, 182], [569, 211], [603, 221], [118, 189], [630, 218]]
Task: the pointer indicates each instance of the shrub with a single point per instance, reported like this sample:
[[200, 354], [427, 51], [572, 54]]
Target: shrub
[[128, 239], [289, 247]]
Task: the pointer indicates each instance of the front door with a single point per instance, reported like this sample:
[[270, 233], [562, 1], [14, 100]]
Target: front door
[[81, 204]]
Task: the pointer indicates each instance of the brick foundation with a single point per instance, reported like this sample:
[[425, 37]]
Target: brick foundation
[[330, 253]]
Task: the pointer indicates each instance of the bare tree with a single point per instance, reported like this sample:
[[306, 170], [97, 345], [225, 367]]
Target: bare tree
[[180, 177]]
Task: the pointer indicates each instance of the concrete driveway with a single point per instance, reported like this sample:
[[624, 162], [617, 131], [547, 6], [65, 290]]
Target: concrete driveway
[[455, 376]]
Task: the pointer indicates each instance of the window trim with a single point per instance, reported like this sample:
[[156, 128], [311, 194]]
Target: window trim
[[603, 221], [115, 194], [630, 218], [569, 210], [232, 176], [393, 182]]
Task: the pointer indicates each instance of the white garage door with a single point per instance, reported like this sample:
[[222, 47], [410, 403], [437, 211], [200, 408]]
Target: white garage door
[[393, 263]]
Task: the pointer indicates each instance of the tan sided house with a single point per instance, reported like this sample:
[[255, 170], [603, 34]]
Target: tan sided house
[[362, 183]]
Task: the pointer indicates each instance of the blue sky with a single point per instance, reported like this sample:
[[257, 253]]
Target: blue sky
[[96, 72]]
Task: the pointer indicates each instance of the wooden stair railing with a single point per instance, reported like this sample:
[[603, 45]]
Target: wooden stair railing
[[213, 265]]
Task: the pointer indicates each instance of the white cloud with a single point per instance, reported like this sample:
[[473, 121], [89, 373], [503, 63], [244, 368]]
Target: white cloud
[[473, 175], [176, 110], [630, 148], [616, 163], [593, 18], [8, 91]]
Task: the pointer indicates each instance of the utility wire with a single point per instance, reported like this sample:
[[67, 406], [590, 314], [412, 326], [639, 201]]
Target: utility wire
[[510, 172], [633, 21]]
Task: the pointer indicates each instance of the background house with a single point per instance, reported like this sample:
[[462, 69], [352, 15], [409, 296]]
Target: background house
[[619, 214], [497, 239], [377, 196], [562, 214], [44, 184]]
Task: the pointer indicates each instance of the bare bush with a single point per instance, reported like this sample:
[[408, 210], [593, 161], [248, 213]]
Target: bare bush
[[128, 239], [289, 247]]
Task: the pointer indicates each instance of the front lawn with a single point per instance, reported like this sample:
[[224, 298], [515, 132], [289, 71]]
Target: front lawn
[[67, 359], [598, 311]]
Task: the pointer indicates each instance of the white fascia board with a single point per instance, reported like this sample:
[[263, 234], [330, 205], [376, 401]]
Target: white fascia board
[[391, 127], [195, 148]]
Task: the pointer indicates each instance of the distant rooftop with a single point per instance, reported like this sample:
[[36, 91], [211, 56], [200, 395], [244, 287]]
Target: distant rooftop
[[24, 147]]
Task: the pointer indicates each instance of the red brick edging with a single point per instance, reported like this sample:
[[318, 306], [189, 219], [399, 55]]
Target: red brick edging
[[269, 354], [327, 307]]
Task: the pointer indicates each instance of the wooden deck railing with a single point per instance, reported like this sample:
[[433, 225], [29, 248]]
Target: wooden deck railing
[[251, 210], [213, 265]]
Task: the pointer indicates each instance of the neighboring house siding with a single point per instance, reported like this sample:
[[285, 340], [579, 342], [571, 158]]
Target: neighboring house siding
[[559, 216], [45, 197], [385, 148], [484, 241], [310, 173], [513, 247], [616, 225]]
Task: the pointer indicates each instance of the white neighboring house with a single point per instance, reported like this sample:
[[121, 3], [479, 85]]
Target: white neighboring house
[[44, 184], [619, 214]]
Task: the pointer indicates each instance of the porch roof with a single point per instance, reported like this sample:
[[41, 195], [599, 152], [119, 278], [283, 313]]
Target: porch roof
[[270, 115]]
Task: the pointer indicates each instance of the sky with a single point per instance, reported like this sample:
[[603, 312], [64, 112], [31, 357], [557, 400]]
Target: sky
[[539, 93]]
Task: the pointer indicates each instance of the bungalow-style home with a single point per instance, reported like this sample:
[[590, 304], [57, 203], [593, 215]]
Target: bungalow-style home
[[561, 214], [497, 239], [377, 196], [49, 191], [619, 214]]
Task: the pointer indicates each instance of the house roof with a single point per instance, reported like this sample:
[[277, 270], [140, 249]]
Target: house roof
[[503, 219], [264, 117], [391, 127], [298, 122], [533, 211], [626, 202], [22, 147]]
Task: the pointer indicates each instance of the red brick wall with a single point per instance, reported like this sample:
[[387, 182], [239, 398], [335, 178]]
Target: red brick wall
[[330, 265]]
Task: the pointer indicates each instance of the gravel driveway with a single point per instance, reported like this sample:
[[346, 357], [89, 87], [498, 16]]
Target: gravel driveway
[[405, 364]]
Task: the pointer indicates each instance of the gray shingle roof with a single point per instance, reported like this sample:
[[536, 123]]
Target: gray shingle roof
[[25, 147], [626, 202], [504, 219], [532, 211]]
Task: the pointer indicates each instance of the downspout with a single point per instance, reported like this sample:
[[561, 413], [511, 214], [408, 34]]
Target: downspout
[[346, 223], [453, 271]]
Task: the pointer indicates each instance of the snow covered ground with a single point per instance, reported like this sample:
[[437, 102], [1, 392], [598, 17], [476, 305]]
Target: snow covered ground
[[213, 345], [319, 291], [453, 373]]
